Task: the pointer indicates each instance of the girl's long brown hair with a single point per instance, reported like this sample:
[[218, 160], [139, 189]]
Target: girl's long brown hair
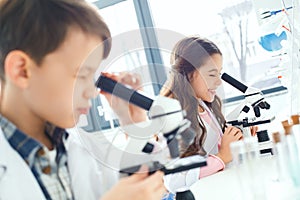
[[188, 55]]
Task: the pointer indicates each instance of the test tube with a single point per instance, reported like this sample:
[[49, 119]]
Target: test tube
[[239, 162]]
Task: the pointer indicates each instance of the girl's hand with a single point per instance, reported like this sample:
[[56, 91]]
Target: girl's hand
[[253, 130], [127, 113], [231, 134]]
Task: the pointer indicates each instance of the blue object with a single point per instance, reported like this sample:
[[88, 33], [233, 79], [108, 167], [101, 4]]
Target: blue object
[[267, 14], [168, 196], [271, 42]]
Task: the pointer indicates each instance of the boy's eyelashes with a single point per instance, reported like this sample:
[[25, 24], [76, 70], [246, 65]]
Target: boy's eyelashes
[[82, 76]]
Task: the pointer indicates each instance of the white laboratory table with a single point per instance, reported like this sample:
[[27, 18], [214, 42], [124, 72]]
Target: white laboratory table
[[227, 184]]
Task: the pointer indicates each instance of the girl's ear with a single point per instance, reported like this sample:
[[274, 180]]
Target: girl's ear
[[192, 76], [16, 67]]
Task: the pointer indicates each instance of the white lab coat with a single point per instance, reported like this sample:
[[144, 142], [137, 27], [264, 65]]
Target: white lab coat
[[87, 176], [91, 175], [17, 182]]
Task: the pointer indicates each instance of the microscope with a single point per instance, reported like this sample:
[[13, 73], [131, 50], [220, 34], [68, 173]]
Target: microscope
[[254, 100], [165, 117]]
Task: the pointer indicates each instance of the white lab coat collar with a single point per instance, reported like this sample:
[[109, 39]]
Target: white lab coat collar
[[17, 182]]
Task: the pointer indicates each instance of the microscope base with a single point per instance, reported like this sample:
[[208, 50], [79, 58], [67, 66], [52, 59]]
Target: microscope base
[[265, 148]]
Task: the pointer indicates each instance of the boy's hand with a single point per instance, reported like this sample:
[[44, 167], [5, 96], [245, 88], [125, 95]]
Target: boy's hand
[[231, 134], [127, 113], [138, 186]]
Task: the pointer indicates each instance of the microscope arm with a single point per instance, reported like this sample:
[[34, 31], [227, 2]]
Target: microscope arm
[[253, 99]]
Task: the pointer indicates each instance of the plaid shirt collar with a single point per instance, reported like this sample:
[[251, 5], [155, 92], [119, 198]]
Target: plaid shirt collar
[[26, 146]]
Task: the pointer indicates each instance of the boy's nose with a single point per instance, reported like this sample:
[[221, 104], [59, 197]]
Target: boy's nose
[[219, 81], [91, 93]]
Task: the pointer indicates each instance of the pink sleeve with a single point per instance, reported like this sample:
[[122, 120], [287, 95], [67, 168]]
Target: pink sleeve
[[214, 164]]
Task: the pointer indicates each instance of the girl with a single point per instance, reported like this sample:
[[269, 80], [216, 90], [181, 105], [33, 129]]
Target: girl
[[194, 78]]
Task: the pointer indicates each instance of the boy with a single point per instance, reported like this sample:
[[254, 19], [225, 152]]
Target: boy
[[45, 88]]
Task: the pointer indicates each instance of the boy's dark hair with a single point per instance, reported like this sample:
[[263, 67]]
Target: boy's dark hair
[[38, 27]]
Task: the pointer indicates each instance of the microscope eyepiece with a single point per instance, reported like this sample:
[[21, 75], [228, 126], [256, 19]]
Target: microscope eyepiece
[[256, 111], [111, 86]]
